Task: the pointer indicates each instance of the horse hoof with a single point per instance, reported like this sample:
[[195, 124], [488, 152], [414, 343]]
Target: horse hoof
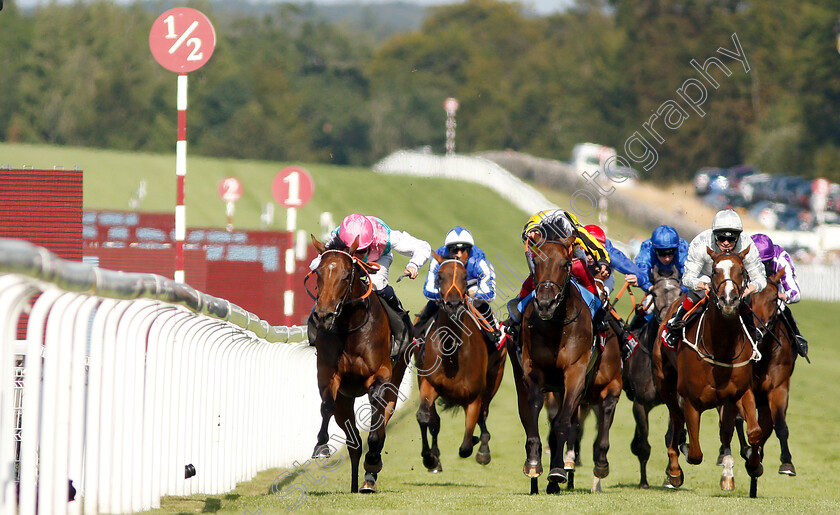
[[552, 488], [557, 475], [787, 469], [321, 452], [596, 485], [756, 471], [368, 487], [432, 464], [483, 458], [644, 486], [465, 452], [532, 469], [727, 484], [674, 481], [601, 471], [437, 469], [720, 460]]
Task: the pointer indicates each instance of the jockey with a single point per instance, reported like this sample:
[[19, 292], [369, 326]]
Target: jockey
[[603, 273], [481, 278], [553, 224], [776, 258], [377, 242], [724, 236], [664, 249]]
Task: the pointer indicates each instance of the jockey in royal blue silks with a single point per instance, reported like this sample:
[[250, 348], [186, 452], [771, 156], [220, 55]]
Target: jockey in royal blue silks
[[481, 278], [664, 249]]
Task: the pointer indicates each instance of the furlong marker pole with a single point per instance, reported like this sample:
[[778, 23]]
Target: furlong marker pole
[[181, 175]]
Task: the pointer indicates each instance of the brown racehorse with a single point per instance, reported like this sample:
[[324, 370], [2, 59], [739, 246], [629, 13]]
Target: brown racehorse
[[712, 367], [457, 364], [353, 347], [638, 369], [771, 375], [556, 349]]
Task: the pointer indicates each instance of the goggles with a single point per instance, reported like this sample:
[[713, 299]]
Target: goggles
[[665, 252], [456, 247]]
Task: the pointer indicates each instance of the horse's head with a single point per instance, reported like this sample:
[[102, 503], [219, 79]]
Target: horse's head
[[729, 278], [552, 270], [665, 289], [452, 284], [765, 303], [336, 273]]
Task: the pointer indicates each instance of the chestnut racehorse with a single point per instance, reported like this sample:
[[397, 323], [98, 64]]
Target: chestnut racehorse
[[457, 364], [353, 347], [556, 350], [711, 367]]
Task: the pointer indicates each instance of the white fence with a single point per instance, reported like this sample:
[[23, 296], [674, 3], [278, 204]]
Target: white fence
[[132, 382]]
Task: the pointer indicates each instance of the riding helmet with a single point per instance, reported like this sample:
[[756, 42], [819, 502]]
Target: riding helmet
[[356, 225], [665, 237], [459, 238], [727, 223]]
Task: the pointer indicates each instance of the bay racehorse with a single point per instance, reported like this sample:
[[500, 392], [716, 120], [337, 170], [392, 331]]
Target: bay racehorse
[[771, 375], [638, 368], [458, 365], [712, 367], [353, 348], [556, 337]]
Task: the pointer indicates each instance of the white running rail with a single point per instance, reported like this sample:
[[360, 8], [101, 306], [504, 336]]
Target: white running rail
[[132, 380]]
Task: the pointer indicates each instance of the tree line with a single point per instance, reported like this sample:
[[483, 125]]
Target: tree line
[[674, 85]]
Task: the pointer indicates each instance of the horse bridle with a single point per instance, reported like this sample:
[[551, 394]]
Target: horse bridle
[[354, 263], [561, 294], [738, 288], [462, 294]]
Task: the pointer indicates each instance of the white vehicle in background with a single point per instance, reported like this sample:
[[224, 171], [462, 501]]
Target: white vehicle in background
[[589, 158]]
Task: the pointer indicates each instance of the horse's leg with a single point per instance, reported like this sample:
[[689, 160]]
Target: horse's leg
[[483, 454], [727, 427], [640, 446], [583, 413], [566, 425], [778, 399], [329, 391], [756, 427], [473, 411], [606, 413], [345, 418], [530, 400], [692, 422], [376, 436], [424, 416]]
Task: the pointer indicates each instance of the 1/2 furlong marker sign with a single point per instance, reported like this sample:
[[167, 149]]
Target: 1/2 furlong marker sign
[[181, 40]]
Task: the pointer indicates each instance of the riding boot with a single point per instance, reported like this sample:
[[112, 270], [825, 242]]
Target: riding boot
[[677, 323], [799, 341], [512, 326], [487, 312], [627, 341], [311, 330], [390, 297]]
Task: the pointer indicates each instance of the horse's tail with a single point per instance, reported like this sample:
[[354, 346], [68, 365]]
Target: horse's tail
[[447, 405]]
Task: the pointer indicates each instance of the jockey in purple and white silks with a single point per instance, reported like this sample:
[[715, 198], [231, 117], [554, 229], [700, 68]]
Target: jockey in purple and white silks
[[724, 236], [776, 258], [481, 278]]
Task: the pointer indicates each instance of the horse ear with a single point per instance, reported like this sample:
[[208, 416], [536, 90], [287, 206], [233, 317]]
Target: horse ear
[[437, 257], [318, 245], [778, 275], [744, 252], [354, 246], [712, 253], [569, 241]]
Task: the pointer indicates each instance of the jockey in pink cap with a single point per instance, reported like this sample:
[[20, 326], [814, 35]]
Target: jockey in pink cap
[[377, 243]]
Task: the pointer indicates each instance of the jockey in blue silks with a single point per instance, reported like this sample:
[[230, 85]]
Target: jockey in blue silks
[[481, 278], [664, 249]]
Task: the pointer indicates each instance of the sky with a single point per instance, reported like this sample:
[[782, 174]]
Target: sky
[[540, 6]]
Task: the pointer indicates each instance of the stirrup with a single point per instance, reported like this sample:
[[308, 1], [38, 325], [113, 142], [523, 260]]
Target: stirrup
[[675, 323]]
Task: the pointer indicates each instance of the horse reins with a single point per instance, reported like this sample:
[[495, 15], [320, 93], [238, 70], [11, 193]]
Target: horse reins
[[476, 315]]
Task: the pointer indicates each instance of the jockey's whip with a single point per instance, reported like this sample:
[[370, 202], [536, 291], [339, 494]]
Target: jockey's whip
[[400, 278]]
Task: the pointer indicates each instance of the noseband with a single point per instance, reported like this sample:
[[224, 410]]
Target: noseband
[[561, 289]]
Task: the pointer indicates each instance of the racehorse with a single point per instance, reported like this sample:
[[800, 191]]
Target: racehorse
[[556, 338], [771, 375], [458, 365], [712, 366], [353, 349], [638, 368]]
